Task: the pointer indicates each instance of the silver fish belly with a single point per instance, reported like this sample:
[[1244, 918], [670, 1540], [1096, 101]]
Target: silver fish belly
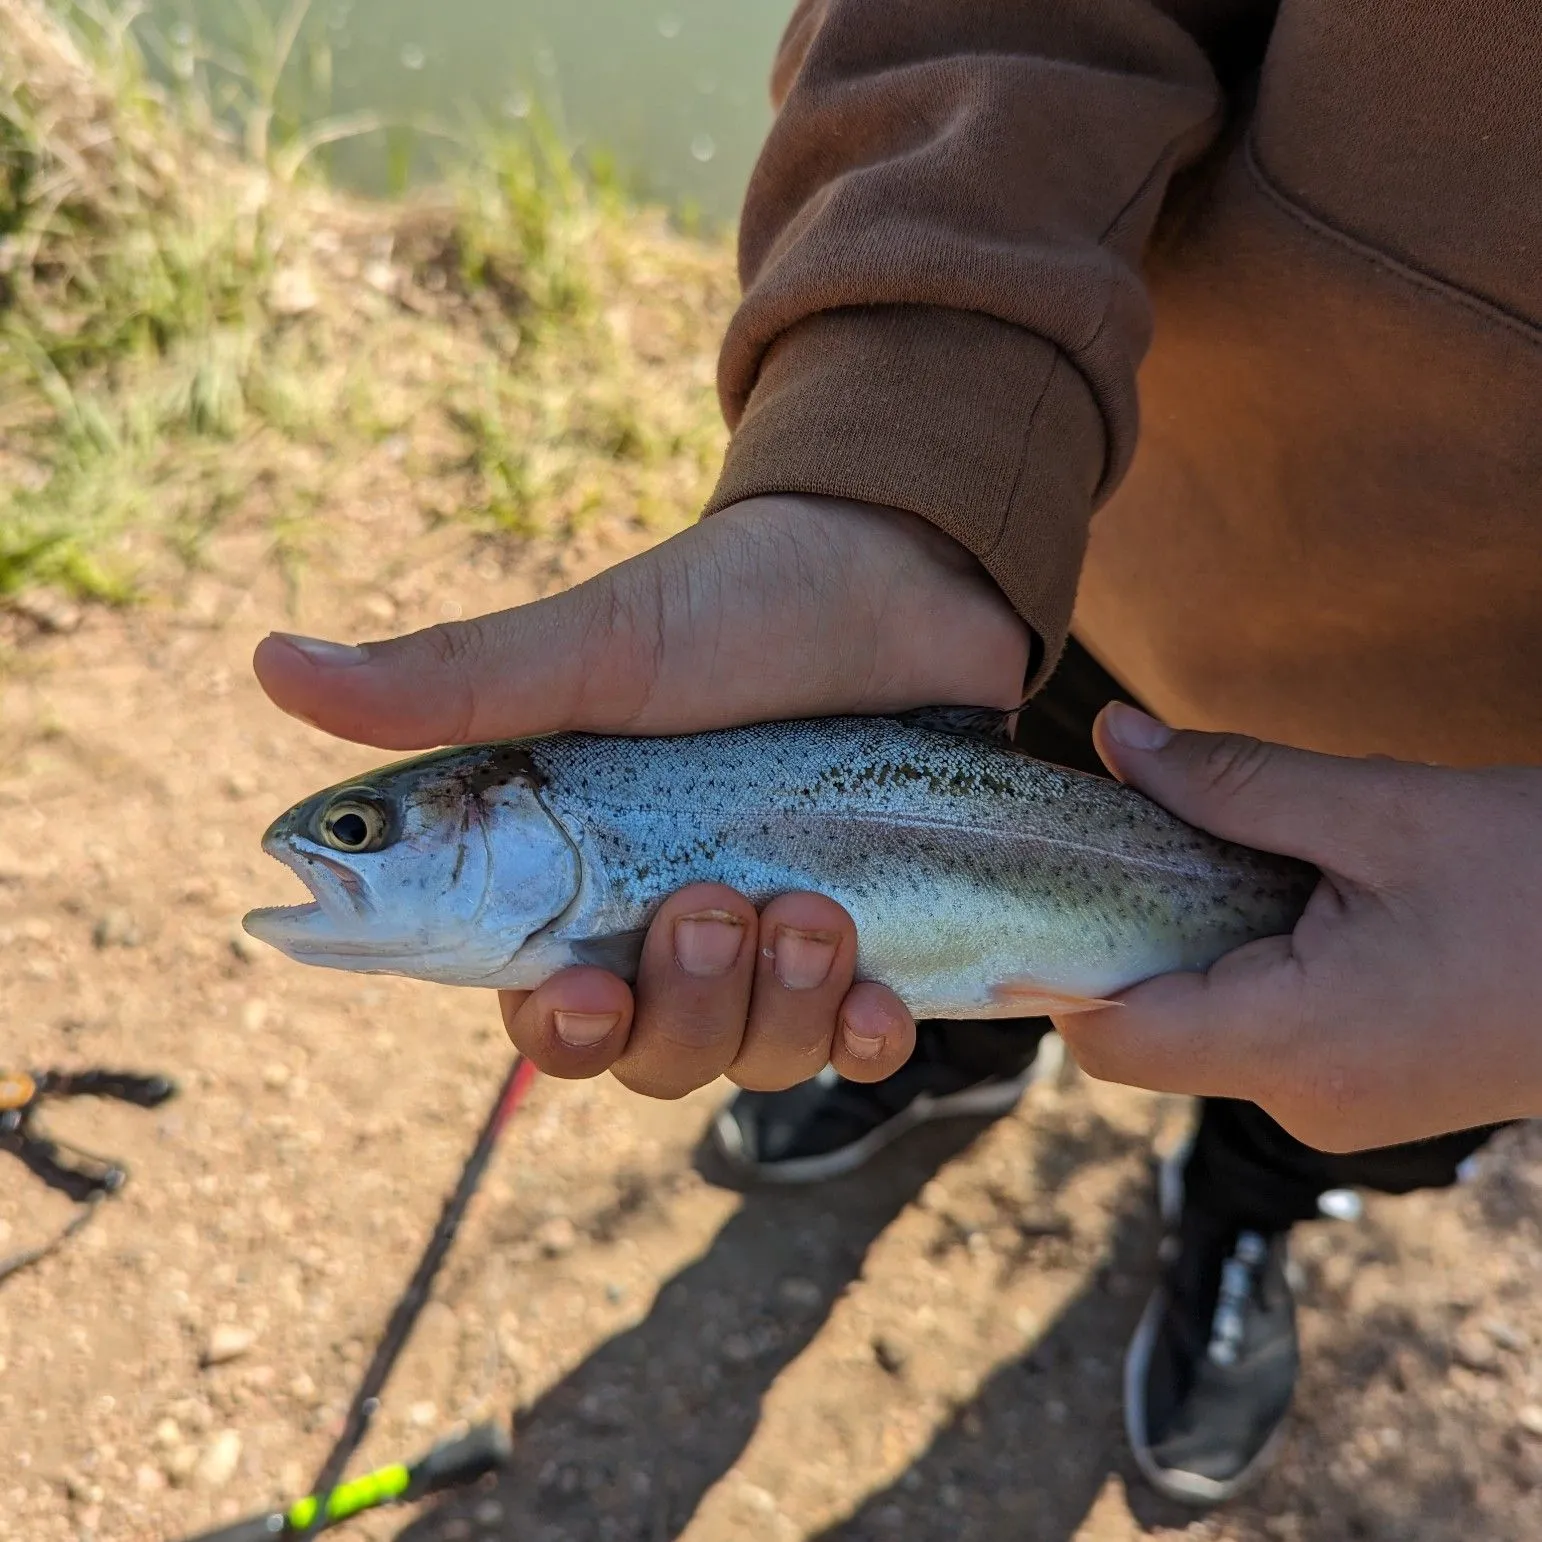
[[983, 883]]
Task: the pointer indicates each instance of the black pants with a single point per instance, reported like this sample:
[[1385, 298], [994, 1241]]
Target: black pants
[[1244, 1166]]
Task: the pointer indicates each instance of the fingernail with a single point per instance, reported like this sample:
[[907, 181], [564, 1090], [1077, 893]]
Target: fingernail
[[860, 1044], [708, 944], [579, 1030], [802, 960], [1136, 730], [329, 655]]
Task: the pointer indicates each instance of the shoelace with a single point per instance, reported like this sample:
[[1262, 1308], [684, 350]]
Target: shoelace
[[1239, 1276]]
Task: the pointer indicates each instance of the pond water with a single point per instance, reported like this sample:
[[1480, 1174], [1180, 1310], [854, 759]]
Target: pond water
[[675, 91]]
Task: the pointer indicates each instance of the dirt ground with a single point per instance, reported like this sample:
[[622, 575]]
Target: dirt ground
[[930, 1350]]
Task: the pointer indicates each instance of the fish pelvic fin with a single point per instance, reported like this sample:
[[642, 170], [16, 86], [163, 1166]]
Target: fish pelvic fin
[[618, 952], [1028, 998]]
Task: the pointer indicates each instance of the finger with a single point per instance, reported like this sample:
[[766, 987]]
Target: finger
[[769, 609], [1214, 1034], [1317, 807], [877, 1034], [574, 1026], [803, 968], [693, 992], [523, 671]]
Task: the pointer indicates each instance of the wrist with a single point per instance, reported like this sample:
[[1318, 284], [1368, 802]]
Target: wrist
[[942, 630]]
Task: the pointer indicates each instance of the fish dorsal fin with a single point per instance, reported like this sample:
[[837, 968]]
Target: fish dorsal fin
[[989, 723]]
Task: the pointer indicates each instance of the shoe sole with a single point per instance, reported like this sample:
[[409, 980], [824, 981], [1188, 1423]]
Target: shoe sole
[[989, 1101]]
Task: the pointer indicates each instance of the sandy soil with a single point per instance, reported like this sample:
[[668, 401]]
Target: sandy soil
[[928, 1351]]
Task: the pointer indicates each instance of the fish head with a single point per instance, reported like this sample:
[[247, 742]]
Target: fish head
[[440, 867]]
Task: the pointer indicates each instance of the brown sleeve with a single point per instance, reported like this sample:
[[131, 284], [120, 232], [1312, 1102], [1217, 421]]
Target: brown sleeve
[[940, 251]]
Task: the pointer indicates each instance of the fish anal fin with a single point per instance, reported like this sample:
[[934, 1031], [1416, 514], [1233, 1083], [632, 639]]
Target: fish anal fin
[[1032, 999]]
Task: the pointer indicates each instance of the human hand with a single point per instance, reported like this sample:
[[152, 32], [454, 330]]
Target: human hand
[[1406, 1003], [780, 607]]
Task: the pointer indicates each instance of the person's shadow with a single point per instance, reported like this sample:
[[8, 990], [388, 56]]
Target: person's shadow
[[624, 1448]]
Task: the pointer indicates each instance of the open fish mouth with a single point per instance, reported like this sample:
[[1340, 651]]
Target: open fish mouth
[[337, 895]]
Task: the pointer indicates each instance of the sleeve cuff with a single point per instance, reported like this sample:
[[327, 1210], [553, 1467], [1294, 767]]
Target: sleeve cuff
[[984, 429]]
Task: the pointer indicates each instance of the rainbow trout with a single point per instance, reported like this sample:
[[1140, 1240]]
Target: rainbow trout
[[983, 883]]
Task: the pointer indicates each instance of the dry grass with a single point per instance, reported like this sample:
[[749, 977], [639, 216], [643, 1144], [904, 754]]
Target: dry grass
[[195, 342]]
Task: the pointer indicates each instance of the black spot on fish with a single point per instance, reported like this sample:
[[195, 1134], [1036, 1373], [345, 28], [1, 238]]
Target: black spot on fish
[[496, 766]]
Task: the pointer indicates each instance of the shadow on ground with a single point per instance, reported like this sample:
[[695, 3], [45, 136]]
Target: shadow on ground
[[624, 1448]]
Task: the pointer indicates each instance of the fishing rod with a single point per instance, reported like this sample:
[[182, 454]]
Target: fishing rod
[[451, 1464], [309, 1517]]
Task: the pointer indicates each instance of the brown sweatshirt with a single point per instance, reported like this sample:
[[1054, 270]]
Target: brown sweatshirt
[[1314, 229]]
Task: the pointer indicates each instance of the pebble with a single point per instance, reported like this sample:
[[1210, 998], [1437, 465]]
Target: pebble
[[116, 929], [933, 1197], [557, 1236], [179, 1464], [168, 1434], [47, 611], [303, 1388], [292, 292], [81, 1489], [193, 1413], [890, 1356], [1530, 1419], [1475, 1351], [797, 1292], [1505, 1335], [422, 1415], [738, 1349], [275, 1076], [254, 1014], [227, 1342], [758, 1498], [217, 1466]]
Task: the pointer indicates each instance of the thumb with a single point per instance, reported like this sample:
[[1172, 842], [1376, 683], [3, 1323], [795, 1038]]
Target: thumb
[[1301, 804], [530, 670]]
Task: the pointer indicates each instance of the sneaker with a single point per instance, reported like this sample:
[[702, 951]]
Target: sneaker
[[829, 1126], [1210, 1372]]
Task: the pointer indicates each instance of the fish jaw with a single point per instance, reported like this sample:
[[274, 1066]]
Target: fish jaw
[[336, 928], [338, 896]]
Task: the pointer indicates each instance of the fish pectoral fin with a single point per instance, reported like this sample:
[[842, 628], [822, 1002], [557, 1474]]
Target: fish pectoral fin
[[990, 723], [1035, 1000], [619, 952]]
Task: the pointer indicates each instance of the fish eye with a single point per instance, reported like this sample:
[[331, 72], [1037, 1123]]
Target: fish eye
[[351, 824]]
